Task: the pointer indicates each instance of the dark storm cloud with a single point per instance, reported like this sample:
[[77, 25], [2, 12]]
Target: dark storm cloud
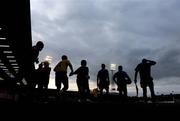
[[111, 31], [169, 64]]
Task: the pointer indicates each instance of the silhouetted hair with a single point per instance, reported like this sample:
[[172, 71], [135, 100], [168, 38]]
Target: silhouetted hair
[[120, 67], [40, 45], [144, 60], [64, 57], [83, 62], [103, 66]]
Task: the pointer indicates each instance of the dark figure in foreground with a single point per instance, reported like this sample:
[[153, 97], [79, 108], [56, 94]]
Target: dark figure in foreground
[[46, 74], [61, 73], [82, 80], [121, 78], [30, 79], [103, 79], [35, 53], [42, 77], [144, 69]]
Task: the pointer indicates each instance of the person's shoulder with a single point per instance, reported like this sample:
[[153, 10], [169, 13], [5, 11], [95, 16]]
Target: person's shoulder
[[124, 72], [139, 65], [67, 61], [100, 71], [106, 70], [33, 48]]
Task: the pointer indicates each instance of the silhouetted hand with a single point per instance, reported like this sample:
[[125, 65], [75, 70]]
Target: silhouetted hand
[[71, 74], [88, 77], [37, 60]]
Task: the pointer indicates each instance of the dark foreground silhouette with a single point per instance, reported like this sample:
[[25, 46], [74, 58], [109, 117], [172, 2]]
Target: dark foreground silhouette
[[66, 105]]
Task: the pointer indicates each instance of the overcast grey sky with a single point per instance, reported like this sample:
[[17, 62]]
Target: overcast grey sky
[[112, 31]]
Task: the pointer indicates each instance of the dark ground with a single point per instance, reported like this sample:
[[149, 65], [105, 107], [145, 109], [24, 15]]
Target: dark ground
[[106, 107]]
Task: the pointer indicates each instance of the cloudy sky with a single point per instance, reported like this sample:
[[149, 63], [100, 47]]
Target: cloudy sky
[[112, 31]]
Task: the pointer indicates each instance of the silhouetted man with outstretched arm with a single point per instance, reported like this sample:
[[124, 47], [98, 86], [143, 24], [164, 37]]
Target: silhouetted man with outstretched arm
[[144, 69]]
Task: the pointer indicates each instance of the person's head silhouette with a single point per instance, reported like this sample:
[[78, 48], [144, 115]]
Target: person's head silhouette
[[40, 45], [144, 60], [83, 63], [120, 68], [103, 66], [64, 57]]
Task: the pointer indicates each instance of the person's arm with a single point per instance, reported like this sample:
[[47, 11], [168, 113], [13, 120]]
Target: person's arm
[[108, 80], [56, 67], [128, 78], [114, 78], [49, 70], [108, 75], [151, 62], [88, 77], [135, 76], [71, 68], [75, 72]]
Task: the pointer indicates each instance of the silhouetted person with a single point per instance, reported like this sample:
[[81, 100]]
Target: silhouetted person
[[103, 79], [46, 74], [144, 69], [45, 77], [35, 53], [82, 79], [121, 78], [31, 77], [61, 73]]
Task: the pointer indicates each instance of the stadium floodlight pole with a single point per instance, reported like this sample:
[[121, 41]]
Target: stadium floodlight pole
[[112, 68]]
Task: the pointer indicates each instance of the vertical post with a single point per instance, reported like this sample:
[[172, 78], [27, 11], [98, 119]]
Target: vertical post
[[112, 68]]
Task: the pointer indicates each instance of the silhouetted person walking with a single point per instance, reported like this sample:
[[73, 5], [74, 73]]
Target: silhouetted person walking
[[31, 78], [121, 78], [46, 74], [82, 79], [35, 53], [45, 77], [144, 69], [61, 73], [103, 79]]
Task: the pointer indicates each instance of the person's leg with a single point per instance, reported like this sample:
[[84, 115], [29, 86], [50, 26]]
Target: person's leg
[[107, 90], [65, 82], [58, 81], [120, 90], [125, 90], [151, 88], [144, 93], [101, 91], [144, 88]]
